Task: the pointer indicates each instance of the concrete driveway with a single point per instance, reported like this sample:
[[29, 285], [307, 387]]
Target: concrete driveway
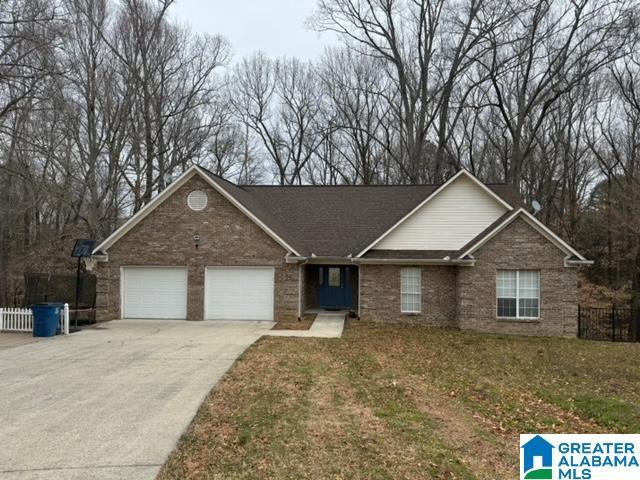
[[111, 402]]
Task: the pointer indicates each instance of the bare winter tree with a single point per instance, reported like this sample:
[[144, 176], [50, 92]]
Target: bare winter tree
[[280, 102], [547, 50], [230, 151], [29, 33], [428, 46], [355, 108], [613, 137], [99, 102], [171, 72]]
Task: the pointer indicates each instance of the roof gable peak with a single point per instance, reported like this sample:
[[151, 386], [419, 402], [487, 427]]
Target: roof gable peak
[[171, 189], [462, 173], [536, 224]]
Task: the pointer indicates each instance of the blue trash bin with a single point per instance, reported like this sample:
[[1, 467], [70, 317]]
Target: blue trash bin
[[46, 317]]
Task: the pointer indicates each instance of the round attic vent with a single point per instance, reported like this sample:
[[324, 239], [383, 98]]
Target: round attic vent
[[197, 200]]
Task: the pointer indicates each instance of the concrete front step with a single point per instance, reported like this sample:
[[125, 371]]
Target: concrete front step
[[326, 325]]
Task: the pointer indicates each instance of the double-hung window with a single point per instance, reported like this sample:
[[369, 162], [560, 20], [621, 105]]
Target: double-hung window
[[518, 293], [410, 290]]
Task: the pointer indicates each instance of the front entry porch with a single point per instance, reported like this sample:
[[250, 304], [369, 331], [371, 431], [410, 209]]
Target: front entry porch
[[330, 287]]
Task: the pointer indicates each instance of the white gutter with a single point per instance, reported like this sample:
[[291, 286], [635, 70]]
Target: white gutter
[[313, 259], [577, 263], [415, 261], [100, 257], [381, 261], [470, 262], [295, 259]]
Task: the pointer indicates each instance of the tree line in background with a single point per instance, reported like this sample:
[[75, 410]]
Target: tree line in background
[[102, 102]]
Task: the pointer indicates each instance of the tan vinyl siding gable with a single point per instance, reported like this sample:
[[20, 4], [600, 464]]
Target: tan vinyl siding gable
[[448, 221]]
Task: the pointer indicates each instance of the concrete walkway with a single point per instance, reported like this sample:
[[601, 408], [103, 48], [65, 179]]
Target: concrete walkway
[[326, 325], [111, 402]]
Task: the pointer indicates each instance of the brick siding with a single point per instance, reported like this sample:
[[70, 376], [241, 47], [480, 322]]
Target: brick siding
[[227, 238], [463, 297], [311, 281], [380, 295], [519, 246]]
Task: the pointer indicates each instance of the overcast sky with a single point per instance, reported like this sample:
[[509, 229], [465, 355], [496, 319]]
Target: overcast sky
[[276, 27]]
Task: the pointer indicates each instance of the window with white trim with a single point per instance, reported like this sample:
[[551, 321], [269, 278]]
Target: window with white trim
[[518, 293], [410, 289]]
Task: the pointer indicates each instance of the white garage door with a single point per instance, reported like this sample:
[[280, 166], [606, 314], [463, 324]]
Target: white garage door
[[239, 293], [154, 292]]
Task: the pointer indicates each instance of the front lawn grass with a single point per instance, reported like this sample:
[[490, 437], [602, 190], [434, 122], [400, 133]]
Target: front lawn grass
[[403, 402]]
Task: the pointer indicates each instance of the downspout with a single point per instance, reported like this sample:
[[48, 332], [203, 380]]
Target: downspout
[[300, 265], [359, 290]]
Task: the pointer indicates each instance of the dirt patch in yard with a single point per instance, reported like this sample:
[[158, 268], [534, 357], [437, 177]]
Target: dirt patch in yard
[[465, 431], [303, 324], [396, 401]]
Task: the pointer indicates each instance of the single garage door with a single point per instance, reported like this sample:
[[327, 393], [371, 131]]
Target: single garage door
[[239, 293], [154, 292]]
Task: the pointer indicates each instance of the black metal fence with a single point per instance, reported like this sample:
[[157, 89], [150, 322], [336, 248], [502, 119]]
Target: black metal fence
[[613, 324]]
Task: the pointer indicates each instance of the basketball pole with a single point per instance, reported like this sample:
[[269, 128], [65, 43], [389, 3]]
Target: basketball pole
[[75, 314]]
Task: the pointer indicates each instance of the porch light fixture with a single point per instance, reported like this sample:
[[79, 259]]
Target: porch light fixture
[[196, 240]]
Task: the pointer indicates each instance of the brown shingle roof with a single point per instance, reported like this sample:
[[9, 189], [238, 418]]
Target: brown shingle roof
[[338, 221], [335, 220]]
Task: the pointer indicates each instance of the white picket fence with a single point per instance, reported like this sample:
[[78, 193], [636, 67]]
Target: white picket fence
[[21, 320]]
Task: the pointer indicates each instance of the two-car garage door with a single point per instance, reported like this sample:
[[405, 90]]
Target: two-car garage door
[[231, 293], [239, 293], [154, 292]]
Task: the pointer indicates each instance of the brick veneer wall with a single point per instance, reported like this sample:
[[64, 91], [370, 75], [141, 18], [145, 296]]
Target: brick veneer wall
[[310, 286], [380, 295], [451, 296], [466, 296], [519, 246], [227, 238]]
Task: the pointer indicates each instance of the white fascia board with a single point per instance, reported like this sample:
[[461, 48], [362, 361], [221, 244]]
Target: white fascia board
[[533, 222], [181, 180], [430, 197]]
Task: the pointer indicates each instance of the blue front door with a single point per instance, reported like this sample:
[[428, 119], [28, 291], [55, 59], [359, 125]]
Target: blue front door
[[334, 287]]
